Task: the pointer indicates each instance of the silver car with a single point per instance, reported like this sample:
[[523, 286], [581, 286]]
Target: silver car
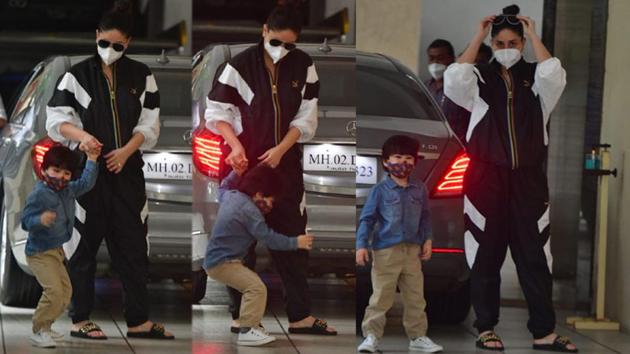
[[392, 100], [167, 169], [328, 160]]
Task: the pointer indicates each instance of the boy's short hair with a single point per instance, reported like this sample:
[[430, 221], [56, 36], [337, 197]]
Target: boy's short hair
[[400, 144], [61, 157], [263, 179], [285, 17]]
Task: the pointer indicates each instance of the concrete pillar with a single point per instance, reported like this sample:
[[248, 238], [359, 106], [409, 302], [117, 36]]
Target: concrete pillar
[[572, 46], [616, 131], [390, 27]]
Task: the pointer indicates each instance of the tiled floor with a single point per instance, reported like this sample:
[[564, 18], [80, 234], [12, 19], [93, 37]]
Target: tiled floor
[[169, 304]]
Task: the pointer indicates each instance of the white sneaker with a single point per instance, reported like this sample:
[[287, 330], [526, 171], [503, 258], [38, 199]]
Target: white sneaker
[[369, 345], [55, 335], [42, 339], [254, 338], [425, 344]]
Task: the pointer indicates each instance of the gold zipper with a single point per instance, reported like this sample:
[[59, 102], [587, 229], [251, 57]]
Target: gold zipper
[[112, 102], [511, 125], [273, 80]]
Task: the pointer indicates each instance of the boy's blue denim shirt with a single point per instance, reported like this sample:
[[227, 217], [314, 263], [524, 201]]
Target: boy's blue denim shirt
[[239, 223], [43, 198], [402, 214]]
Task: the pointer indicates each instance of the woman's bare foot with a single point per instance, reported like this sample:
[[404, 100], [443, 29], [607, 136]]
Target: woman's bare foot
[[236, 324], [551, 338], [94, 334], [145, 327], [307, 323]]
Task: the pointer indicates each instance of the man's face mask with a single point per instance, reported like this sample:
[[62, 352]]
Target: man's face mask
[[399, 169], [436, 70], [109, 52], [278, 49], [55, 183], [507, 57]]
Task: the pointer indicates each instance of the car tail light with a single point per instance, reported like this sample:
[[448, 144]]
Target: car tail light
[[448, 250], [207, 152], [452, 182], [37, 154]]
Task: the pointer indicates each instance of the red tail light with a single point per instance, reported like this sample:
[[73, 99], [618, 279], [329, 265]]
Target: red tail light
[[452, 182], [37, 154], [448, 250], [207, 152]]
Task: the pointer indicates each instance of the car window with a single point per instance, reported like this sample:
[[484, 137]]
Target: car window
[[28, 94], [337, 81], [174, 86], [389, 93]]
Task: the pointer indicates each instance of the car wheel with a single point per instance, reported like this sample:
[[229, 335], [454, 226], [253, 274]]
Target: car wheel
[[199, 283], [17, 288], [450, 308]]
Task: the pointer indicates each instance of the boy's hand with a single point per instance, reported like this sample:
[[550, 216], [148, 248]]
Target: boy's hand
[[48, 218], [427, 250], [305, 242], [363, 256], [93, 154]]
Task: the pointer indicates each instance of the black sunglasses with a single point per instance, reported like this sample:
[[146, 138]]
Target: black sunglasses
[[105, 44], [511, 19], [276, 42]]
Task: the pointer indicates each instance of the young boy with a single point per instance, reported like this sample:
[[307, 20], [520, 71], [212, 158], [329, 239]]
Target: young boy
[[49, 219], [400, 207], [239, 223]]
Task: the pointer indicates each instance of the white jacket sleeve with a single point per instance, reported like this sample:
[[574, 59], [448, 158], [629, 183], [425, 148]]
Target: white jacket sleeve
[[549, 82], [306, 118], [149, 120], [460, 84]]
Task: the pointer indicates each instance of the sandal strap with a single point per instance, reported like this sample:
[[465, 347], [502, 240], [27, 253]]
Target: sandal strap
[[563, 340], [320, 324], [489, 337], [158, 328], [89, 327]]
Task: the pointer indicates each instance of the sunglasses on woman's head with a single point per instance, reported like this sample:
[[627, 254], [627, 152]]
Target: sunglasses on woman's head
[[511, 19], [105, 43], [276, 42]]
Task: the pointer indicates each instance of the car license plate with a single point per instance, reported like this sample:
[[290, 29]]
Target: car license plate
[[366, 170], [166, 165], [329, 157]]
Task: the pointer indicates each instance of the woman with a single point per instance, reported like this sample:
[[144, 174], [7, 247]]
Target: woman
[[111, 102], [506, 194], [264, 104]]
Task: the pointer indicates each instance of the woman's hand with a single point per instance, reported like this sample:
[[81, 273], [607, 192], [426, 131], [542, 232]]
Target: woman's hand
[[528, 26], [272, 157], [237, 159], [116, 159], [484, 26], [89, 143]]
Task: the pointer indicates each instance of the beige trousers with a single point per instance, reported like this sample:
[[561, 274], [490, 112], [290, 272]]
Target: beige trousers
[[52, 275], [397, 266], [241, 278]]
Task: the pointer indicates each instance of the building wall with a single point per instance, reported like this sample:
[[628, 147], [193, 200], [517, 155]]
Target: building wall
[[391, 27], [616, 131]]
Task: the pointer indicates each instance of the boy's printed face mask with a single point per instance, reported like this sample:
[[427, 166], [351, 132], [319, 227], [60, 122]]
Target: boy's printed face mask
[[55, 183], [263, 205], [400, 169]]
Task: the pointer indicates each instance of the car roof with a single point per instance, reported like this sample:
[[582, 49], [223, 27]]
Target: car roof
[[175, 61], [312, 49]]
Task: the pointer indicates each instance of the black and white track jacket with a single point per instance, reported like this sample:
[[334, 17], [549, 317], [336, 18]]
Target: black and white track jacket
[[83, 98], [508, 126], [261, 111]]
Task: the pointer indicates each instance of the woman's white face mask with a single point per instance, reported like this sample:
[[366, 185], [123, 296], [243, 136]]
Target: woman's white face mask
[[276, 53], [109, 55], [507, 57]]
